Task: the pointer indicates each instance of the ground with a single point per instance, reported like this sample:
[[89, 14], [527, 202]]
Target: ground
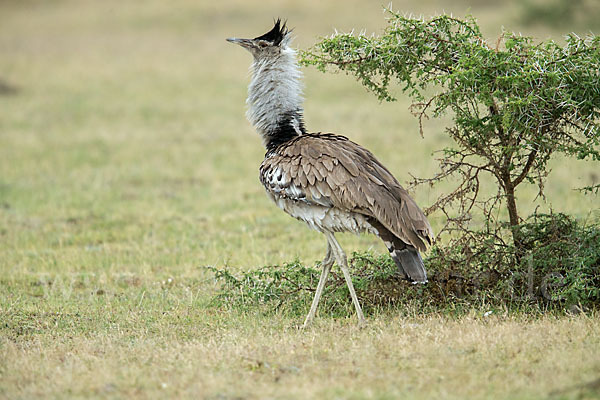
[[127, 166]]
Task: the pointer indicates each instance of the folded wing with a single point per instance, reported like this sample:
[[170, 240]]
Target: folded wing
[[330, 170]]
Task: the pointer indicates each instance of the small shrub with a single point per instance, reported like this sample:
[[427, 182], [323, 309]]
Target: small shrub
[[559, 269], [290, 287], [557, 265]]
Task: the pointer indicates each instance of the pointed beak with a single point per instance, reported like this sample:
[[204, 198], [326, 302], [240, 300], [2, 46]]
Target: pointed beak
[[242, 42]]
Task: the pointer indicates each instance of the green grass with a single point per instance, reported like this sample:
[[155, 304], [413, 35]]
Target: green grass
[[126, 161]]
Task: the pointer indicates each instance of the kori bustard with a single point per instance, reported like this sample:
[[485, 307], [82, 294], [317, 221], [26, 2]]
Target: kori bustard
[[326, 180]]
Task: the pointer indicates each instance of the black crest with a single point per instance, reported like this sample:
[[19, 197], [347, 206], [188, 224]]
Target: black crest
[[276, 34]]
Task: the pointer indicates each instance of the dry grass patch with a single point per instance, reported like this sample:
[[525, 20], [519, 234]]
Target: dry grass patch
[[253, 357]]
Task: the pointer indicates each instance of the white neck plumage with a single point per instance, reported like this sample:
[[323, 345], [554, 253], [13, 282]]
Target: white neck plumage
[[275, 98]]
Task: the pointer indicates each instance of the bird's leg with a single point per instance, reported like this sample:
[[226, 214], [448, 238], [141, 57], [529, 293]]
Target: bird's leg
[[329, 257], [326, 265], [343, 263]]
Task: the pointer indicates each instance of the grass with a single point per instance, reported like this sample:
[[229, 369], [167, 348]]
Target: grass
[[126, 166], [245, 356]]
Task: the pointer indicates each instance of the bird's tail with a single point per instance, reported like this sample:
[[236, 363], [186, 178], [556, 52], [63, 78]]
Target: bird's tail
[[406, 257], [410, 262]]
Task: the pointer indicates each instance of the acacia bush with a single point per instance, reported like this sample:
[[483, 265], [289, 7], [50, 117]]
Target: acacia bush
[[514, 103]]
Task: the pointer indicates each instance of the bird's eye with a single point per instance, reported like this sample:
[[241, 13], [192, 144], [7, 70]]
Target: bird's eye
[[262, 44]]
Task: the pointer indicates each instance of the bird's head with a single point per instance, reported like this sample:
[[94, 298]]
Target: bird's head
[[269, 45]]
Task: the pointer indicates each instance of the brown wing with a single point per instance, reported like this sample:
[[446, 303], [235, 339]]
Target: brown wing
[[331, 170]]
